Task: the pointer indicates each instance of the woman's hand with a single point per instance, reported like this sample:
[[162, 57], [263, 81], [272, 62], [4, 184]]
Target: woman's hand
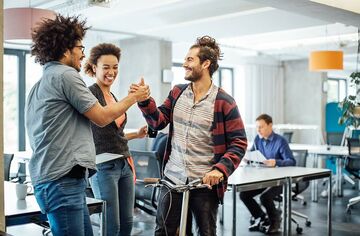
[[142, 132]]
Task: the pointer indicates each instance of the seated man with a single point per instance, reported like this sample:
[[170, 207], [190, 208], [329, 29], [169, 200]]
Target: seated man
[[277, 152]]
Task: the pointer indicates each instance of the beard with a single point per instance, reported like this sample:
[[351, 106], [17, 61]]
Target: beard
[[194, 76], [74, 64]]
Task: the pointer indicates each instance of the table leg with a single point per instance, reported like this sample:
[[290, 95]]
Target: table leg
[[103, 219], [234, 210], [289, 196], [285, 205], [314, 183], [329, 205], [338, 179]]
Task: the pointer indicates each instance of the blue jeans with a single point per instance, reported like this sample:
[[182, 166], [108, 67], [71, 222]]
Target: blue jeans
[[114, 183], [64, 203]]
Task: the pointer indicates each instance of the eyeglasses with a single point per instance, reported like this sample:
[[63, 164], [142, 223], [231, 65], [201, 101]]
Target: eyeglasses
[[82, 48]]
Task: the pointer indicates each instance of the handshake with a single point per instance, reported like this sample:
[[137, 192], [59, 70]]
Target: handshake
[[140, 91]]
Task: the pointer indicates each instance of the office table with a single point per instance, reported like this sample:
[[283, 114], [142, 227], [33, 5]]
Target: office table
[[324, 150], [26, 211], [251, 178]]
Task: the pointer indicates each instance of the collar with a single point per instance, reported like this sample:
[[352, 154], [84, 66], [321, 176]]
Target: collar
[[270, 138]]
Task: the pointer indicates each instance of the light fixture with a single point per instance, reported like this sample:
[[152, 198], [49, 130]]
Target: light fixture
[[18, 23], [326, 60]]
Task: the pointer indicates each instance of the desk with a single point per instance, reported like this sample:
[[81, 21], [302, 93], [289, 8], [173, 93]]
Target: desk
[[27, 211], [320, 150], [251, 178]]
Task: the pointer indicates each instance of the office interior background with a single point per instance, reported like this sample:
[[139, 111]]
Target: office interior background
[[265, 43]]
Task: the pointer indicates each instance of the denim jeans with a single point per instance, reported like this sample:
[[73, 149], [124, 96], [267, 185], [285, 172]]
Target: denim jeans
[[114, 183], [64, 203], [203, 204]]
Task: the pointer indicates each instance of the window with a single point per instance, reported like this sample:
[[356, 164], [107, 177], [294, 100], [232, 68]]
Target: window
[[20, 74], [337, 90], [223, 77], [11, 79]]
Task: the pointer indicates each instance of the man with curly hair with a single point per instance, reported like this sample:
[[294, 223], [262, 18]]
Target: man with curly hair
[[206, 139], [58, 114]]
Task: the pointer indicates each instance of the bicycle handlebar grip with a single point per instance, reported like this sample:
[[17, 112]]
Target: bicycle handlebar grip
[[151, 180]]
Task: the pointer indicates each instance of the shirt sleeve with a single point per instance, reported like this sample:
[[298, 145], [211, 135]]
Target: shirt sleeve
[[76, 92], [287, 158]]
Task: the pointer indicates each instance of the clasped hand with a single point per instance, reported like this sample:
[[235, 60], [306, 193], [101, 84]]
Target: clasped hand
[[140, 91]]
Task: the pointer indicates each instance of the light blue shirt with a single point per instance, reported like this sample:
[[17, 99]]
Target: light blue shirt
[[60, 136]]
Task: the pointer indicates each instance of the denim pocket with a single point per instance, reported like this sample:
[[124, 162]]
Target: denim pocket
[[71, 185], [106, 166]]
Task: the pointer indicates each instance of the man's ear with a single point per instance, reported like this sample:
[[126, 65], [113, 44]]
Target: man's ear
[[65, 56], [206, 64], [93, 68]]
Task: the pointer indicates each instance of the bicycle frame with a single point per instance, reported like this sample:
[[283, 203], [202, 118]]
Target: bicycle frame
[[185, 190]]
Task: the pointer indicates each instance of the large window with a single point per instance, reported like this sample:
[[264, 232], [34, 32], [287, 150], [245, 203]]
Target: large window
[[223, 77], [20, 74], [11, 108], [337, 90]]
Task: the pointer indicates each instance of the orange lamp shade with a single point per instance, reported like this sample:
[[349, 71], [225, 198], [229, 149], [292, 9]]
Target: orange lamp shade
[[18, 22], [326, 60]]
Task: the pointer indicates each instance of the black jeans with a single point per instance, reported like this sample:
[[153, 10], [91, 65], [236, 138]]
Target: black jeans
[[266, 198], [203, 204]]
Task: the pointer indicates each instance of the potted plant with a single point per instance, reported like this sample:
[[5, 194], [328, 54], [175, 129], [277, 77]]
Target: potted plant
[[350, 106]]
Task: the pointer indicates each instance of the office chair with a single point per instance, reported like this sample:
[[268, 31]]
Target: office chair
[[352, 165], [147, 165], [300, 156], [7, 164], [288, 136]]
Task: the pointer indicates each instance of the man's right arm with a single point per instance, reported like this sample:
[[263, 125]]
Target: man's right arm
[[104, 115]]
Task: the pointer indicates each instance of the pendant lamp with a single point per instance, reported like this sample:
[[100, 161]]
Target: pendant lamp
[[18, 23], [326, 60]]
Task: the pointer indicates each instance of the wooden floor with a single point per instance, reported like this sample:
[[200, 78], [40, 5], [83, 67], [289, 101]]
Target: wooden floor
[[343, 224]]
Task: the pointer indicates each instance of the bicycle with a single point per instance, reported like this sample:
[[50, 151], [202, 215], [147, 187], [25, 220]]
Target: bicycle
[[182, 188]]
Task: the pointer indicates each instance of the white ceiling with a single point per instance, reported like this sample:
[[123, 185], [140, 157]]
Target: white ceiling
[[285, 29]]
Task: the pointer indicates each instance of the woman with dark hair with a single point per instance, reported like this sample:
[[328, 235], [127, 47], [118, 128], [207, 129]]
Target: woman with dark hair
[[59, 109], [114, 180]]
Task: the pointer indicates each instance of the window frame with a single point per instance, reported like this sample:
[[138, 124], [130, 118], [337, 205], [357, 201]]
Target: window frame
[[21, 54], [337, 80]]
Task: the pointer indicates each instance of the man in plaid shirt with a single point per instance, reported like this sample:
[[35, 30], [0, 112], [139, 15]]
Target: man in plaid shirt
[[206, 139]]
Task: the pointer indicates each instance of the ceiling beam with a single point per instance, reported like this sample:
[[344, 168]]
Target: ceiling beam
[[314, 10]]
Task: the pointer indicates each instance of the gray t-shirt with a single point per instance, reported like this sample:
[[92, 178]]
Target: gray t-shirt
[[60, 136]]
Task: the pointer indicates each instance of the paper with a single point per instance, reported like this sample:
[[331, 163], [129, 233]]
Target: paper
[[104, 157], [254, 156]]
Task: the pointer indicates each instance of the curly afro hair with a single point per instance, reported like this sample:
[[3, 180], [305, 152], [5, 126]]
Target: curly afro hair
[[98, 51], [52, 37], [209, 50]]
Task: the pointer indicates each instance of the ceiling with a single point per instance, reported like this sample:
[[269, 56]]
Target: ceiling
[[284, 29]]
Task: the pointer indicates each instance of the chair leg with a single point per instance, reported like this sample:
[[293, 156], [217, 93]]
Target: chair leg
[[300, 215], [352, 202]]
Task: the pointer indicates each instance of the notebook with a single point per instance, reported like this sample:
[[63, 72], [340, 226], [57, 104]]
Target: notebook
[[104, 157]]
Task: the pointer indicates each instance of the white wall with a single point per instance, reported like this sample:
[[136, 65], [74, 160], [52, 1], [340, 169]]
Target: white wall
[[304, 99]]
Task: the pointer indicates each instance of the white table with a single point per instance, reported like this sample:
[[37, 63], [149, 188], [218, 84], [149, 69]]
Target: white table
[[19, 212], [251, 178], [324, 150]]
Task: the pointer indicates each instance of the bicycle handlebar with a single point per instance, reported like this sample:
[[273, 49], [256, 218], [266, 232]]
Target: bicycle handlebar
[[195, 184]]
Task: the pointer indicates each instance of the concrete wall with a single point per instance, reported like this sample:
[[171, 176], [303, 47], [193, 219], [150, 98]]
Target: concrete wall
[[304, 100], [142, 57]]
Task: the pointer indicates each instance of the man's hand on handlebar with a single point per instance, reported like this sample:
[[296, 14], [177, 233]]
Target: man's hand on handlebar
[[213, 177]]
